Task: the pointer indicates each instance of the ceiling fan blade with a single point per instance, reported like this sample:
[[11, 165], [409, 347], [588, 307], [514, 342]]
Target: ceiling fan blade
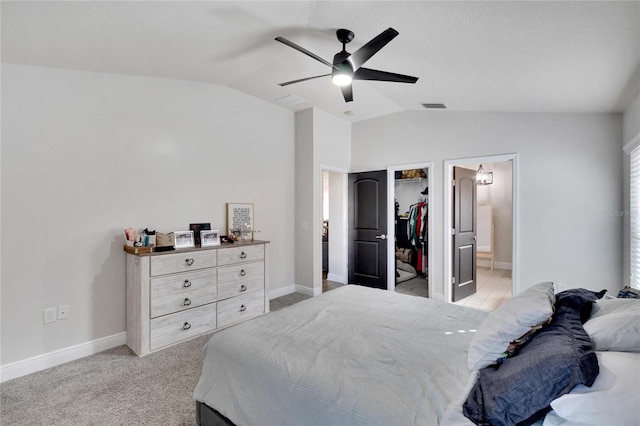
[[303, 50], [303, 79], [369, 74], [362, 55], [347, 92]]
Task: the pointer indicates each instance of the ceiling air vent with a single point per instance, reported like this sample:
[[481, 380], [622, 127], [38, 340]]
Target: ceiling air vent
[[290, 101], [434, 106]]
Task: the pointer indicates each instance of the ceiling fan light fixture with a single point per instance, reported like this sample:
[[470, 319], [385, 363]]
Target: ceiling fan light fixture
[[342, 73], [341, 79]]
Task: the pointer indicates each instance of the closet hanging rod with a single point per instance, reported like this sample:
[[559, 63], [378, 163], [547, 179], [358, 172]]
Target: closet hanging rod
[[421, 202]]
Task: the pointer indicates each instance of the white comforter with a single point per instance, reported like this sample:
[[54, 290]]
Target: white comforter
[[353, 356]]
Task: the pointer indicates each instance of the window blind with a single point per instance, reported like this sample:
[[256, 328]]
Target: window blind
[[634, 203]]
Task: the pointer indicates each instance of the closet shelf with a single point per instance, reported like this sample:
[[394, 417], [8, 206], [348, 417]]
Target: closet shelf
[[410, 180]]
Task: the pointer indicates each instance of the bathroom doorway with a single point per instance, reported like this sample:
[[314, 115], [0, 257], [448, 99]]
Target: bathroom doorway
[[494, 239]]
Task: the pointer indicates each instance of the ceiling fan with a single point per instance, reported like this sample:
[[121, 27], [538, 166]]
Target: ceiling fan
[[347, 67]]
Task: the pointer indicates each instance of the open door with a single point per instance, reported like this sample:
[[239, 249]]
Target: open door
[[464, 233], [368, 229]]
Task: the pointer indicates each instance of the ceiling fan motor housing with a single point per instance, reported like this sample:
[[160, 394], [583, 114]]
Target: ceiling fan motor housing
[[344, 36]]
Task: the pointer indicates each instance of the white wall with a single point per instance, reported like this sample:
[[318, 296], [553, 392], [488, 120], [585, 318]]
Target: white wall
[[303, 204], [631, 122], [85, 155], [569, 177], [322, 142]]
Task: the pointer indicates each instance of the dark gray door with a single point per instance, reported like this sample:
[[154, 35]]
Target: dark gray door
[[464, 233], [368, 229]]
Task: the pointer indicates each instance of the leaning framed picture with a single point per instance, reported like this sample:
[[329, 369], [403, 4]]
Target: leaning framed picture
[[209, 238], [183, 239], [196, 228], [240, 220]]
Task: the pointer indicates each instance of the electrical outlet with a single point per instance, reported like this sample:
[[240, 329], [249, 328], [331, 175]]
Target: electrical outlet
[[50, 315], [63, 312]]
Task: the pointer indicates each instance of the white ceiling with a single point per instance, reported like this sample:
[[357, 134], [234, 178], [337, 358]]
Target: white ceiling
[[578, 56]]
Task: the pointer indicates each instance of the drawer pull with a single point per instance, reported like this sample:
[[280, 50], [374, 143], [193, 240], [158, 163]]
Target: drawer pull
[[187, 284], [243, 288], [186, 302], [243, 273], [243, 308], [243, 255], [189, 262], [186, 326]]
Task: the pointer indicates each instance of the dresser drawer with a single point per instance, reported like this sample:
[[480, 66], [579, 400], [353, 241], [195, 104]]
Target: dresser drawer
[[182, 262], [238, 279], [241, 272], [183, 282], [176, 302], [184, 325], [238, 288], [229, 256], [240, 308]]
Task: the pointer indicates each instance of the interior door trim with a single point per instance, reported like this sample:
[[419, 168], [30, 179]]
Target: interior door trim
[[448, 218]]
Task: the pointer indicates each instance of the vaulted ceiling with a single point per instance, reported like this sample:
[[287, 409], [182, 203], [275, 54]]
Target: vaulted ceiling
[[555, 56]]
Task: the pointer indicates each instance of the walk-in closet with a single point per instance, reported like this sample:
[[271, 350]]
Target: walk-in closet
[[411, 193]]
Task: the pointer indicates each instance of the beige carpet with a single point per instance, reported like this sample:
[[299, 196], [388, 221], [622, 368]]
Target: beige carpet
[[418, 286], [114, 387]]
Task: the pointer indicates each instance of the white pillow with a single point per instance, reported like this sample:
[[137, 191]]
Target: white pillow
[[614, 306], [614, 325], [511, 320], [614, 397]]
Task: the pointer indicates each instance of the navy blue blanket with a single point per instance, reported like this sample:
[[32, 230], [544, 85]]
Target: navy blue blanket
[[520, 390]]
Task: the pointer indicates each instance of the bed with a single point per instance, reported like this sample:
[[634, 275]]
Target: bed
[[362, 356]]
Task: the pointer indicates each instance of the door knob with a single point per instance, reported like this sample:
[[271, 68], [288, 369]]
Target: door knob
[[381, 237]]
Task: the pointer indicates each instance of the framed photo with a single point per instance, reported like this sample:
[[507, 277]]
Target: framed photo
[[209, 238], [240, 220], [196, 228], [183, 239]]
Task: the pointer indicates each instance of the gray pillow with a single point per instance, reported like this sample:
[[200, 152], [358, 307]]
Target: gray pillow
[[513, 319]]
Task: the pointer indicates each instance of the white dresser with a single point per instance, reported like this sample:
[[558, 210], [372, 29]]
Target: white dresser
[[177, 295]]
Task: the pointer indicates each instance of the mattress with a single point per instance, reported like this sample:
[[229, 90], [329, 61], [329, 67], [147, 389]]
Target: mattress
[[354, 355]]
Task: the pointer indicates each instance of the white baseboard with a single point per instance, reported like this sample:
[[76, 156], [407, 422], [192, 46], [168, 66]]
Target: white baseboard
[[294, 288], [342, 279], [437, 296], [61, 356], [302, 289], [282, 291], [496, 265]]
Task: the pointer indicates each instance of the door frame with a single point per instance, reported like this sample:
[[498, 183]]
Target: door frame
[[343, 237], [448, 220], [391, 228]]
